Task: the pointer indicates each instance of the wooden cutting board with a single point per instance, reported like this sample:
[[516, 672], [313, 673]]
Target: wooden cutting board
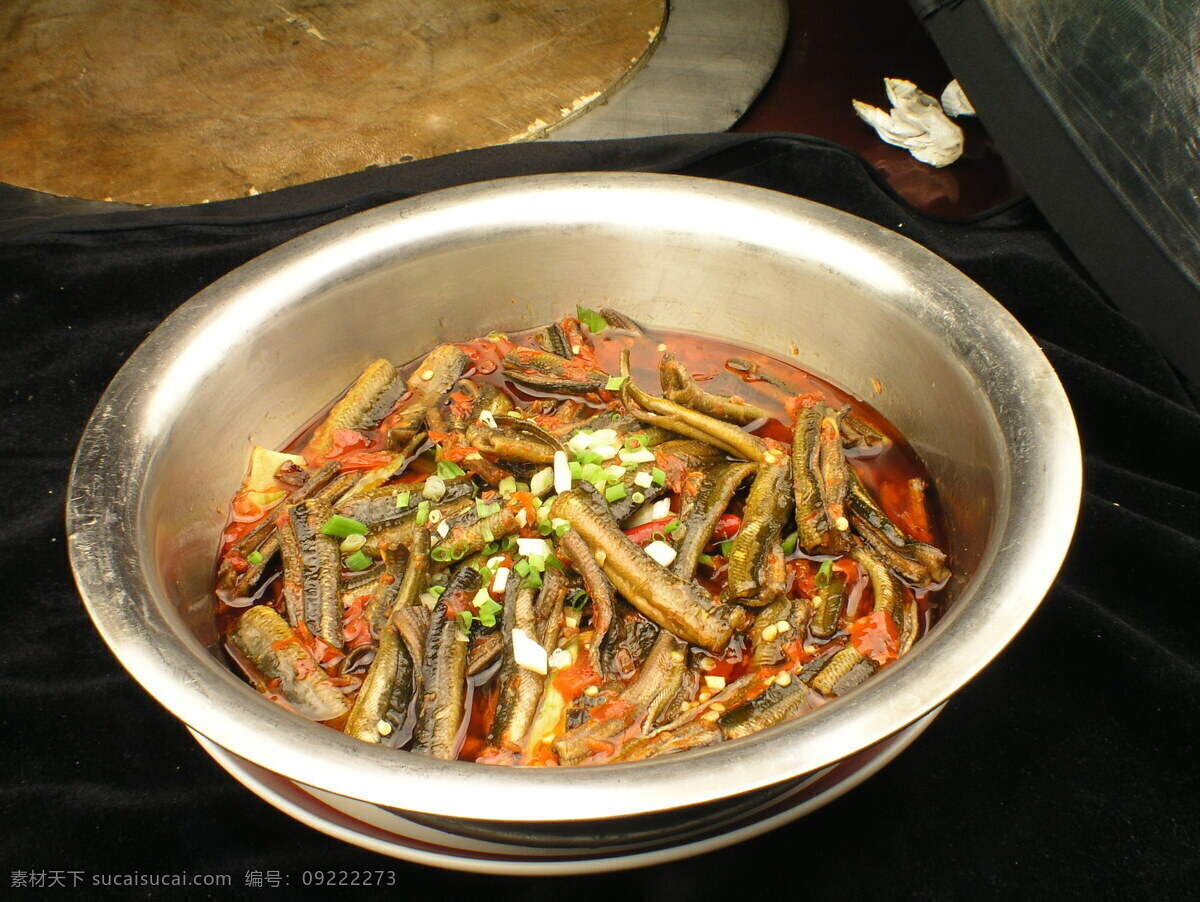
[[172, 102]]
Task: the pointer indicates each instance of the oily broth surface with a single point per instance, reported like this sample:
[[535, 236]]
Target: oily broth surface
[[890, 474]]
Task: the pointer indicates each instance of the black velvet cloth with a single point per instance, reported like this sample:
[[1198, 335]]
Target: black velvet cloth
[[1067, 769]]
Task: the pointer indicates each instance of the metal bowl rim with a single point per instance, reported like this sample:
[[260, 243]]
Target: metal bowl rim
[[117, 597]]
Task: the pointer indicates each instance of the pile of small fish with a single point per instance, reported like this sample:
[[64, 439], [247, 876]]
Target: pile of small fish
[[515, 556]]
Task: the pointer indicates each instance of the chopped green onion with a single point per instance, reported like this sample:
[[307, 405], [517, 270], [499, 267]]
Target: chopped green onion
[[726, 547], [824, 574], [590, 318], [254, 557], [484, 509], [706, 560], [537, 562], [639, 498], [490, 548], [591, 471], [614, 383], [486, 531], [488, 611], [671, 527], [434, 488], [422, 513], [635, 441], [578, 598], [659, 477], [358, 561], [448, 469], [465, 619], [441, 553], [553, 562], [340, 526], [403, 499], [576, 469], [352, 543], [789, 544], [485, 574], [562, 529], [436, 591], [615, 492], [522, 567], [532, 581], [460, 551], [590, 457], [544, 528], [509, 542], [508, 485]]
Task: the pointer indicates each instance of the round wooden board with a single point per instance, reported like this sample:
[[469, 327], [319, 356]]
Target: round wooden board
[[160, 102]]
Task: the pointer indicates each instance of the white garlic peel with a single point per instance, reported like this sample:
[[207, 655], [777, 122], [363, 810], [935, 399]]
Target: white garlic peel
[[915, 122]]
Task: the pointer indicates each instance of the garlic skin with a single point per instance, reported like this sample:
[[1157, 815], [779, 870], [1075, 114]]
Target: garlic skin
[[916, 122], [955, 102]]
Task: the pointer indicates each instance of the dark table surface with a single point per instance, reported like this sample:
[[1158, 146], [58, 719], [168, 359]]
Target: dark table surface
[[1065, 769], [836, 53]]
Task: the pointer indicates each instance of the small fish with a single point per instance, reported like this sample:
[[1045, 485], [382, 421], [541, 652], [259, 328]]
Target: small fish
[[270, 645]]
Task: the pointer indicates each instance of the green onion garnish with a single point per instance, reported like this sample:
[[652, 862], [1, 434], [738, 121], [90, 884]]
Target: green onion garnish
[[576, 469], [486, 531], [553, 562], [590, 318], [615, 492], [485, 573], [484, 509], [448, 469], [441, 553], [706, 560], [464, 619], [544, 528], [562, 529], [635, 441], [358, 561], [522, 567], [254, 557], [639, 498], [488, 611], [614, 383], [436, 591], [659, 477], [422, 513], [490, 548], [824, 574], [340, 526], [671, 527], [460, 551], [532, 581], [789, 544], [403, 499], [726, 547], [578, 598], [507, 486], [509, 542]]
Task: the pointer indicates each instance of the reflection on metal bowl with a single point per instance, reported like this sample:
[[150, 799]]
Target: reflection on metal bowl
[[276, 340]]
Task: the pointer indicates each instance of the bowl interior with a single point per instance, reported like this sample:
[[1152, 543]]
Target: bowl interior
[[258, 353]]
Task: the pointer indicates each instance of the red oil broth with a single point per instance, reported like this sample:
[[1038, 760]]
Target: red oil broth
[[890, 473]]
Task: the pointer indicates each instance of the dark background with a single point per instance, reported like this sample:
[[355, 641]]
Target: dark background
[[1067, 769]]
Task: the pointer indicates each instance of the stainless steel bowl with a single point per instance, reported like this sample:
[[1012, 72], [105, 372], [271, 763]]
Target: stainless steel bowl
[[259, 351]]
